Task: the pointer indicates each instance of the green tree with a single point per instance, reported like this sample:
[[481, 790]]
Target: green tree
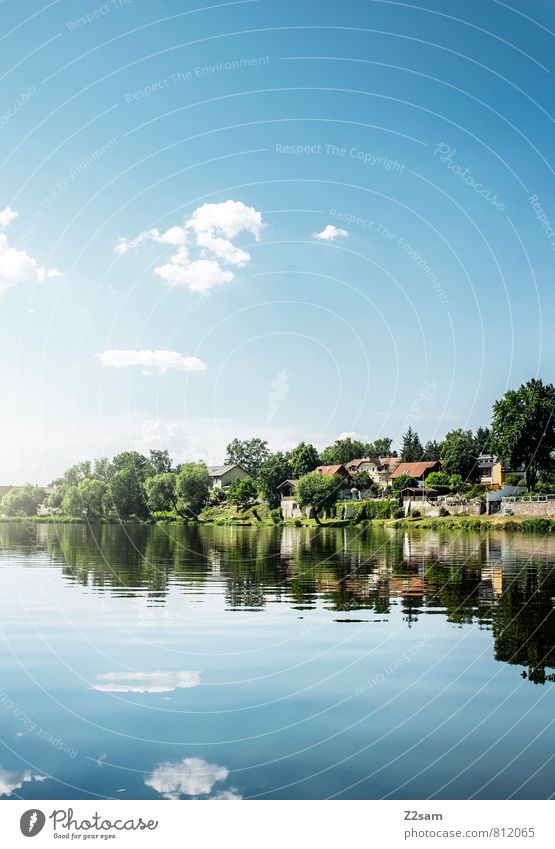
[[523, 428], [161, 461], [362, 480], [344, 450], [482, 440], [273, 471], [381, 448], [456, 483], [103, 469], [126, 496], [86, 499], [304, 459], [133, 460], [161, 492], [73, 475], [458, 451], [411, 451], [403, 481], [23, 500], [248, 453], [432, 450], [318, 491], [193, 487], [242, 491], [438, 480]]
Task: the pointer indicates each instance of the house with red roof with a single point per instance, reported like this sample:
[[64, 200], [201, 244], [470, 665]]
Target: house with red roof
[[418, 471]]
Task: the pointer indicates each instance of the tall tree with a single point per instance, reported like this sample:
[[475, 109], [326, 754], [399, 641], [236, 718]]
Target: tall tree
[[482, 440], [103, 469], [86, 499], [344, 450], [133, 460], [74, 474], [161, 492], [318, 491], [381, 447], [193, 486], [412, 447], [248, 453], [126, 496], [161, 461], [432, 450], [523, 428], [458, 451], [304, 459], [273, 471]]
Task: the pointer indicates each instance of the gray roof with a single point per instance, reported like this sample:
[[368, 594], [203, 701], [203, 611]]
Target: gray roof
[[218, 471]]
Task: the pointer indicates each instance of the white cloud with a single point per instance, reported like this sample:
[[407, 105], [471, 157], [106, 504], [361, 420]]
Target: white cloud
[[10, 781], [212, 226], [146, 682], [161, 360], [330, 233], [199, 276], [17, 267], [174, 236], [352, 434], [189, 777], [7, 215]]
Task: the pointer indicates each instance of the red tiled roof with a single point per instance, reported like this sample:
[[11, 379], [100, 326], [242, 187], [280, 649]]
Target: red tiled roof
[[415, 470], [331, 470]]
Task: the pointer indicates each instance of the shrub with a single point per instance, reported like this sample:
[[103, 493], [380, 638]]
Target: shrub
[[298, 523], [443, 511], [416, 514]]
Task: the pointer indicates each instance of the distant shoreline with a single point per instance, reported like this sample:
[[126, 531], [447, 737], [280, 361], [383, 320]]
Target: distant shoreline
[[520, 524]]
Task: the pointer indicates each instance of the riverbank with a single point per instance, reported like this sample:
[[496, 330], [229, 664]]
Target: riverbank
[[245, 518]]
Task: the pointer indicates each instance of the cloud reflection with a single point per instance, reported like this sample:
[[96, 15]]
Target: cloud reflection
[[11, 781], [146, 682], [189, 777]]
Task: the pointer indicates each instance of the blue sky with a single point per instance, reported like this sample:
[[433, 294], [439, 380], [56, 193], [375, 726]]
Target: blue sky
[[418, 136]]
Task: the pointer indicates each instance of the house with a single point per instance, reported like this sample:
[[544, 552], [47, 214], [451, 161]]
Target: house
[[491, 471], [371, 465], [418, 471], [289, 506], [223, 476], [387, 467], [344, 492]]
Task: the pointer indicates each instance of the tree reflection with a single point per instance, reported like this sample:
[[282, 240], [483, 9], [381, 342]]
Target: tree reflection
[[503, 582]]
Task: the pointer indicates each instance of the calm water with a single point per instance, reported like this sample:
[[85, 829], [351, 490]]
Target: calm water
[[171, 662]]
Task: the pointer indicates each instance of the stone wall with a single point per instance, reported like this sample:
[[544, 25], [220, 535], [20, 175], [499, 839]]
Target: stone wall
[[529, 508]]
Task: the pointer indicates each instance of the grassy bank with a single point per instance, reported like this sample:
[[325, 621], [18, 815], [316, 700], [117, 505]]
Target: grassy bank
[[480, 523], [231, 516]]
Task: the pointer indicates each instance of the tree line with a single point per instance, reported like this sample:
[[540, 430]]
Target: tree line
[[132, 485]]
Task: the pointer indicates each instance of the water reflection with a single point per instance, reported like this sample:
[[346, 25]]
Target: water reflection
[[146, 682], [12, 781], [504, 582], [220, 662], [193, 777]]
